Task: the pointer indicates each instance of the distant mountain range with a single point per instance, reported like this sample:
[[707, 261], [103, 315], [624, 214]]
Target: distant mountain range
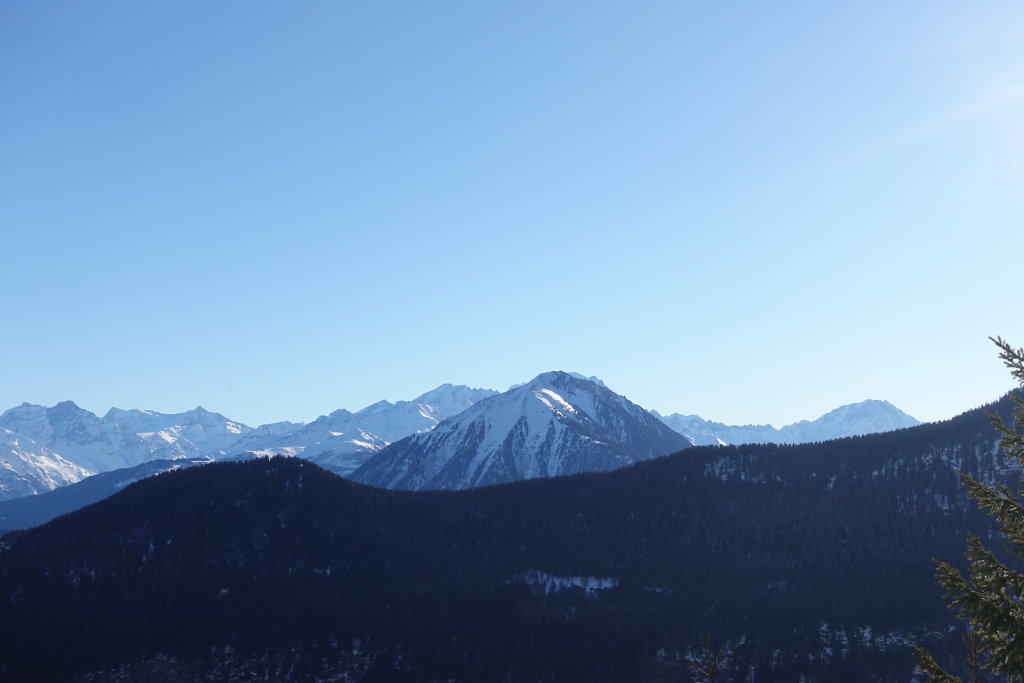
[[44, 448], [866, 417], [558, 423], [342, 441], [121, 438]]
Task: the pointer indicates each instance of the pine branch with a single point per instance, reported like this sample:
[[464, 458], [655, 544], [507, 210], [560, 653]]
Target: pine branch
[[1011, 357], [933, 673], [991, 597], [1002, 504]]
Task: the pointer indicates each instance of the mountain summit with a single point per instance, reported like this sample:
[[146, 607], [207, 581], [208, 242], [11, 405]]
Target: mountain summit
[[557, 423]]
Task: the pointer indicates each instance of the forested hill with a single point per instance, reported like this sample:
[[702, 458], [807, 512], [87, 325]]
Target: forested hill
[[809, 560]]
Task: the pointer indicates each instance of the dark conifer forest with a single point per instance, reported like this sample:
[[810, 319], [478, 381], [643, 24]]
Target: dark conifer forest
[[811, 560]]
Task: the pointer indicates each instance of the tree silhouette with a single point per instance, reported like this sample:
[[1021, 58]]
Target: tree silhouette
[[991, 596]]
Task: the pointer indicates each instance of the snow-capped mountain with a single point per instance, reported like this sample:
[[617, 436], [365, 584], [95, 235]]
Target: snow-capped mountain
[[179, 435], [855, 419], [77, 435], [558, 423], [47, 447], [26, 468], [122, 438], [342, 440]]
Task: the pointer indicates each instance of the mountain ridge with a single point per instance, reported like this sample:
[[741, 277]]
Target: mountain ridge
[[66, 436], [600, 576], [853, 419], [70, 442]]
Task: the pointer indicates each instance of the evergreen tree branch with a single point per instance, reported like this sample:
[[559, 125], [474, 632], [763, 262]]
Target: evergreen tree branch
[[933, 673], [990, 597]]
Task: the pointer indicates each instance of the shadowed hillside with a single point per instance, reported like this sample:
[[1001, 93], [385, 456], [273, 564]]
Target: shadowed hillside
[[806, 560]]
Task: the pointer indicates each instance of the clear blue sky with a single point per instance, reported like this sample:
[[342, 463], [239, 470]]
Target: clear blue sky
[[751, 211]]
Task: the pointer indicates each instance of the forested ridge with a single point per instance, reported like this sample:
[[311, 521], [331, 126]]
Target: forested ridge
[[809, 560]]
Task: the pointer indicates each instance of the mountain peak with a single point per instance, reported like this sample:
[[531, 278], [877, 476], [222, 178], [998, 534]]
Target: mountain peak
[[381, 406], [559, 377], [448, 390], [592, 378], [557, 423], [552, 377], [115, 413]]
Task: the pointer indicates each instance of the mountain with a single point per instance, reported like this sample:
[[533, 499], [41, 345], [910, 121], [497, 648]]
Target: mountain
[[179, 435], [342, 441], [122, 438], [558, 423], [855, 419], [867, 417], [806, 562], [54, 441], [77, 435], [32, 510], [26, 468], [49, 447], [45, 448]]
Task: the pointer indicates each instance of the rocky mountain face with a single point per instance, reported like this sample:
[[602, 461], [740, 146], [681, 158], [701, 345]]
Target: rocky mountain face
[[558, 423], [855, 419]]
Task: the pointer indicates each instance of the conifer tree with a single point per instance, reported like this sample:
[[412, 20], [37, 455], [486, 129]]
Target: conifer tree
[[991, 596]]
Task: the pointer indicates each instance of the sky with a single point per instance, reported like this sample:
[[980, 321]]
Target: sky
[[754, 212]]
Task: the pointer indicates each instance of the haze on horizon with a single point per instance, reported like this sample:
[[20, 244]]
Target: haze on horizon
[[754, 213]]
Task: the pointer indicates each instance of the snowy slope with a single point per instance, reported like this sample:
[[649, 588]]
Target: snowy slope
[[122, 438], [77, 435], [555, 424], [26, 468], [178, 435], [558, 423], [70, 440], [855, 419], [342, 440]]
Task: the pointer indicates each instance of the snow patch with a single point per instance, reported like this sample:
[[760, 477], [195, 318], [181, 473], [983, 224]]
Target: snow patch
[[549, 583], [563, 404]]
